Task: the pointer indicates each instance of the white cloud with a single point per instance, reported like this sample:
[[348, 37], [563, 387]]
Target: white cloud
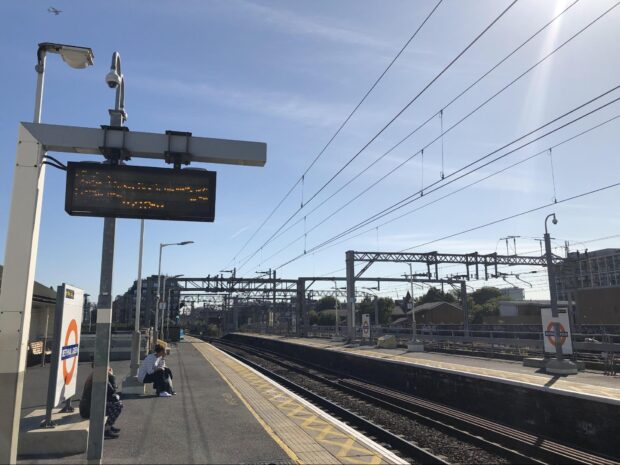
[[277, 104], [240, 231], [298, 24]]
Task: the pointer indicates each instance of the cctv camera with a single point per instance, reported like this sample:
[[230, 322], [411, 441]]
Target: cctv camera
[[554, 221], [112, 79]]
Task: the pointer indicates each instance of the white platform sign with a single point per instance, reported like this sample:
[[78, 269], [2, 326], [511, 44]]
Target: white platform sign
[[72, 308], [365, 326], [549, 331]]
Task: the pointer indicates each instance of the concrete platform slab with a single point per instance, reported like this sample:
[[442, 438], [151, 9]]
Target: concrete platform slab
[[68, 437]]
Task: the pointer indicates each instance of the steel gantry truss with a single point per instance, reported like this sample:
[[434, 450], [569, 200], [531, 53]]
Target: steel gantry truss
[[433, 259], [220, 284]]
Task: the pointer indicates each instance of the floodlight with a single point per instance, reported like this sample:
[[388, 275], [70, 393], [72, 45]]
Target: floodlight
[[74, 56]]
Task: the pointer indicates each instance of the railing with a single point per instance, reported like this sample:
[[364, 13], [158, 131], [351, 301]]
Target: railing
[[509, 341]]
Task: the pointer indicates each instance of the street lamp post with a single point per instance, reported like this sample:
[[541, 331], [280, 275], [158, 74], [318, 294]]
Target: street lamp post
[[131, 385], [20, 255], [166, 304], [558, 365], [158, 298]]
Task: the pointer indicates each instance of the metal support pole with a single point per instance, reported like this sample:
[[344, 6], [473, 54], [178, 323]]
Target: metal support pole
[[350, 267], [102, 345], [17, 284], [414, 328], [167, 319], [273, 309], [465, 309], [158, 298], [47, 320], [376, 311], [135, 342], [553, 294], [337, 323], [158, 330], [299, 304], [56, 345], [104, 314]]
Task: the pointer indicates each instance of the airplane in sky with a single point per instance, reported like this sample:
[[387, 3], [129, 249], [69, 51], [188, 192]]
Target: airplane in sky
[[54, 11]]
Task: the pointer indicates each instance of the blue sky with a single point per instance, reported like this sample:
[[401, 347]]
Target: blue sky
[[288, 74]]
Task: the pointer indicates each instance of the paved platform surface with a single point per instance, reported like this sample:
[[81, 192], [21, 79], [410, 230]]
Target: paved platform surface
[[223, 413], [589, 384]]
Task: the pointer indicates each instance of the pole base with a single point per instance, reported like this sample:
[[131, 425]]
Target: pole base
[[560, 367], [415, 346], [131, 385]]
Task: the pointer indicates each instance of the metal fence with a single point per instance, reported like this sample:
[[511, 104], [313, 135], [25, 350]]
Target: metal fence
[[592, 344]]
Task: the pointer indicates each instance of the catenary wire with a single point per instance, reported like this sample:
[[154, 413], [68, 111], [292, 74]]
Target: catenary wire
[[450, 178], [586, 131], [389, 123], [278, 233], [413, 197], [342, 125]]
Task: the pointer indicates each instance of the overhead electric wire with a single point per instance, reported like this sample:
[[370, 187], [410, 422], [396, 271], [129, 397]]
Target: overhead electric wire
[[316, 158], [430, 118], [511, 83], [478, 181], [516, 215], [411, 198], [403, 202], [389, 123], [500, 220]]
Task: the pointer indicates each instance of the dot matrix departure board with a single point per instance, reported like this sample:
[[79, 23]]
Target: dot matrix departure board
[[125, 191]]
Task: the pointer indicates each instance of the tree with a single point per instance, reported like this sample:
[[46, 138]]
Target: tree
[[435, 295], [484, 302], [386, 305], [326, 303], [484, 294]]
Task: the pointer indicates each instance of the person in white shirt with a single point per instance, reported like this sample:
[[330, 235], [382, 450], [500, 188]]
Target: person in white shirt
[[153, 370]]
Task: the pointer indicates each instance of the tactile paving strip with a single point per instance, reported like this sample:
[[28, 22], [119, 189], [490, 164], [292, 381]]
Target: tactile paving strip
[[310, 435]]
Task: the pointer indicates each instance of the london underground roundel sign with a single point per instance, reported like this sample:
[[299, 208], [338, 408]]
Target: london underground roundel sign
[[68, 345]]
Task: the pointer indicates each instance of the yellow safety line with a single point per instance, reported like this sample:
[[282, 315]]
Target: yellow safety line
[[265, 426], [308, 420]]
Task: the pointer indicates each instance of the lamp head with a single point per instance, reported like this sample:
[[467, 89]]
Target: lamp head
[[74, 56], [554, 220], [186, 242]]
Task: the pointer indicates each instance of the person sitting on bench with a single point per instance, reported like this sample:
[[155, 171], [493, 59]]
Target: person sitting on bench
[[153, 370]]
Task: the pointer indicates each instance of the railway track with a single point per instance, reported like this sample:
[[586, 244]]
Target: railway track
[[505, 444]]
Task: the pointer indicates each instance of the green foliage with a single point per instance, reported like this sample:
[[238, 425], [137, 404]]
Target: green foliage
[[328, 319], [484, 294], [435, 295], [213, 330], [386, 305], [313, 317], [484, 302], [326, 303]]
